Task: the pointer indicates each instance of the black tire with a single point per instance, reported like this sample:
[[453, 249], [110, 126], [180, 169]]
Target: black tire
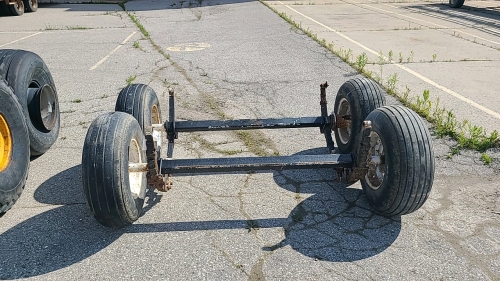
[[6, 56], [402, 181], [16, 9], [456, 3], [140, 101], [31, 5], [357, 98], [105, 173], [34, 87], [14, 149]]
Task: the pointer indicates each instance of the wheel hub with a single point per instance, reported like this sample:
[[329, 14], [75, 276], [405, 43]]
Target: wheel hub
[[136, 179], [42, 107], [5, 144], [345, 131], [375, 161]]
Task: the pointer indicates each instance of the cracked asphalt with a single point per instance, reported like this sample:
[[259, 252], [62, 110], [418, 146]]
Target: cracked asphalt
[[231, 59]]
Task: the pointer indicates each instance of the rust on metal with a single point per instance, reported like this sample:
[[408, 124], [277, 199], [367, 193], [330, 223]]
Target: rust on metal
[[343, 121], [357, 174], [323, 93], [155, 179]]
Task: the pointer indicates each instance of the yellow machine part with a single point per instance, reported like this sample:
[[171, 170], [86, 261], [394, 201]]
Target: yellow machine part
[[5, 144]]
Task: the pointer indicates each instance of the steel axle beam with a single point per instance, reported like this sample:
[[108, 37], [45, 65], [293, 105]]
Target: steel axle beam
[[217, 165]]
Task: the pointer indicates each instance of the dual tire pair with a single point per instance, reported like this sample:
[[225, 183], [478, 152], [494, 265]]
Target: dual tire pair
[[19, 6], [114, 194], [396, 150], [29, 119]]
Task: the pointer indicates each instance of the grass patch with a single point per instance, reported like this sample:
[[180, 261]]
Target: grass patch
[[486, 158], [130, 79], [212, 147]]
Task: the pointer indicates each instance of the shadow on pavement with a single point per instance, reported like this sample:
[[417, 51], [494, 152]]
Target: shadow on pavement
[[142, 5], [471, 17], [335, 224]]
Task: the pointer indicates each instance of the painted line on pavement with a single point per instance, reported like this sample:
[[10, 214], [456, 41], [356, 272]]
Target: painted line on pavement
[[112, 52], [412, 72], [435, 24], [21, 39]]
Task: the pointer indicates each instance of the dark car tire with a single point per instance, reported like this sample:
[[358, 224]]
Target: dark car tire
[[140, 101], [115, 195], [14, 146], [16, 9], [401, 182], [32, 83], [357, 98], [31, 5], [456, 3]]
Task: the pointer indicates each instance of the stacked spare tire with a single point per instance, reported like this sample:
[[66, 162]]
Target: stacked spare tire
[[29, 119]]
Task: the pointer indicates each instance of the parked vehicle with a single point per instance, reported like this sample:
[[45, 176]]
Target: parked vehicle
[[18, 7]]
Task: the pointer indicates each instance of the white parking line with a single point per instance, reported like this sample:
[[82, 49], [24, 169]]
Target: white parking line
[[435, 24], [402, 67], [20, 39], [112, 52]]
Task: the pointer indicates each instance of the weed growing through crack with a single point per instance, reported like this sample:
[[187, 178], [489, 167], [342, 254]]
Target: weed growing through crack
[[361, 61], [410, 57], [486, 158], [434, 57], [136, 44], [138, 24], [400, 57], [391, 83], [131, 79], [76, 101]]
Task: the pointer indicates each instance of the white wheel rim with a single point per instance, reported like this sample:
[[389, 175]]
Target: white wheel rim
[[376, 171], [137, 180], [344, 109]]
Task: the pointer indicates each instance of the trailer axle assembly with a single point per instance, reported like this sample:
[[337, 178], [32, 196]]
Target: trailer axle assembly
[[388, 148]]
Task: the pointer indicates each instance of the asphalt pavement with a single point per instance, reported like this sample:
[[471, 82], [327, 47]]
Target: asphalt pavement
[[230, 59]]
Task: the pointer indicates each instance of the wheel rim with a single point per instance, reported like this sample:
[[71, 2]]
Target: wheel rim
[[34, 3], [5, 144], [136, 179], [19, 5], [376, 162], [155, 115], [42, 107], [345, 132]]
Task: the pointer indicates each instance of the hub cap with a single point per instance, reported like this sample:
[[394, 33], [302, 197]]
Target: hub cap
[[344, 109], [42, 107], [376, 168]]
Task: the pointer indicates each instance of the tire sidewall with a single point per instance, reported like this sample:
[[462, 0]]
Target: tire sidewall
[[133, 206], [26, 67], [386, 194], [349, 92], [13, 178]]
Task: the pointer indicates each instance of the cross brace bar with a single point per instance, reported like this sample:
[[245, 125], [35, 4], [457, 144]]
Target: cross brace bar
[[247, 124], [214, 165]]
